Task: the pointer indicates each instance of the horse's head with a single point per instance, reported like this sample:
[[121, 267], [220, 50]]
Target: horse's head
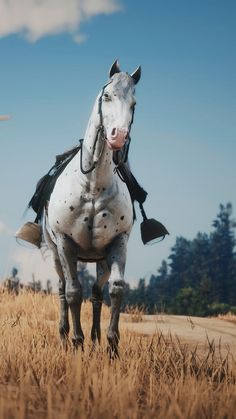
[[117, 106]]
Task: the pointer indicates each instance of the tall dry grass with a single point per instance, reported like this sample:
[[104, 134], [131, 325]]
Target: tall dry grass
[[230, 317], [155, 377]]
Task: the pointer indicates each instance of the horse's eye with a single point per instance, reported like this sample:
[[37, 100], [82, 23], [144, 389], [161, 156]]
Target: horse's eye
[[106, 97]]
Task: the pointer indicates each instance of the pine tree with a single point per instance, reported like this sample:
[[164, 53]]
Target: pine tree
[[180, 261], [222, 263], [157, 294]]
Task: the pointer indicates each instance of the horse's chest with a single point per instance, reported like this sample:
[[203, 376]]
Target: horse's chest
[[91, 219]]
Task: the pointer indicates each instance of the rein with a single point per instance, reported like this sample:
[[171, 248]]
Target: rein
[[116, 156], [85, 172]]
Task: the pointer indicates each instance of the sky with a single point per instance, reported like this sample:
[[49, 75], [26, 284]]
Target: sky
[[55, 57]]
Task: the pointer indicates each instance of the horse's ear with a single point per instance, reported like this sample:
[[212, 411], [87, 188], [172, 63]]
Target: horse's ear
[[114, 69], [136, 75]]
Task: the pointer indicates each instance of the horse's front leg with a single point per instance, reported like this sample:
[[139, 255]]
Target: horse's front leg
[[64, 320], [67, 251], [116, 262], [97, 297]]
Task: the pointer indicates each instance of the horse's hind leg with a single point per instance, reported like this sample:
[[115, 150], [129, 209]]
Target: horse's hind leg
[[67, 251], [97, 296]]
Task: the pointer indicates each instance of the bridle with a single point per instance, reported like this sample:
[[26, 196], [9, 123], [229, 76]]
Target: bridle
[[118, 156]]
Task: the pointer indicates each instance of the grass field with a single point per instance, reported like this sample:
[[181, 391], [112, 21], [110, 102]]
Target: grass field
[[156, 376]]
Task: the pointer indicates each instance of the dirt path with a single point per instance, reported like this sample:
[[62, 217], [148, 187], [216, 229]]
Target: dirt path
[[192, 330]]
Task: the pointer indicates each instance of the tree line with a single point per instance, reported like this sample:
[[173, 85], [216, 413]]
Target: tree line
[[199, 277]]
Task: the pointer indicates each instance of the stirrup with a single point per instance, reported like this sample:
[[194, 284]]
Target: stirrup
[[30, 232], [151, 229]]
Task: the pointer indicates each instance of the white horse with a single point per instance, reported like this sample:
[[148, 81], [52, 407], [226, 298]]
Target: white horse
[[90, 213]]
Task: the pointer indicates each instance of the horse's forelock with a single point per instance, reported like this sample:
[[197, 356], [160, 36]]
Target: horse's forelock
[[123, 81]]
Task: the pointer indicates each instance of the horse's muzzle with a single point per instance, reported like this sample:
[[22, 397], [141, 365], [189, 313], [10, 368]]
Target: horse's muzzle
[[117, 139]]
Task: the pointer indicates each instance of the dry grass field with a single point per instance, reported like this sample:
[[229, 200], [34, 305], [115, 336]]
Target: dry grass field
[[156, 376]]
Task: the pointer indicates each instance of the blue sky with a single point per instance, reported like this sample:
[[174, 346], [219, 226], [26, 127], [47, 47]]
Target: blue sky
[[183, 137]]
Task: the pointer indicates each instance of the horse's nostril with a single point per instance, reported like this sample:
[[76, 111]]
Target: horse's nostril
[[113, 132]]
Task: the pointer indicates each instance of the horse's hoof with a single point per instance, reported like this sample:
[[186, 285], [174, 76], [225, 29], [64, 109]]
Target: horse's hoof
[[112, 348], [78, 343], [113, 352]]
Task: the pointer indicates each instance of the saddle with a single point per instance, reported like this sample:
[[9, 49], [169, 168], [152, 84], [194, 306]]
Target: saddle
[[151, 229]]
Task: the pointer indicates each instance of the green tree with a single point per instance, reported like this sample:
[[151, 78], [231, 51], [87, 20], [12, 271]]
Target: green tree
[[157, 291], [180, 261], [222, 263]]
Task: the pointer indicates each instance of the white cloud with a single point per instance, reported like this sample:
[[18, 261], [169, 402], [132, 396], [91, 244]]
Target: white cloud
[[4, 229], [38, 18], [33, 262]]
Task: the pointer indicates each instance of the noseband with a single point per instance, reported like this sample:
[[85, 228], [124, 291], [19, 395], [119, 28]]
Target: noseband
[[117, 158]]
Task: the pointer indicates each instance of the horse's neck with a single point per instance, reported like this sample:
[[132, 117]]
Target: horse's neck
[[96, 151]]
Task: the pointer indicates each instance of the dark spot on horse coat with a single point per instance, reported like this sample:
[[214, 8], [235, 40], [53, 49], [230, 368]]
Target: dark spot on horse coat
[[105, 226], [71, 208], [122, 217]]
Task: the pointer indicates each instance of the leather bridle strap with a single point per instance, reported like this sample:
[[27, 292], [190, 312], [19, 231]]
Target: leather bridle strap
[[101, 132]]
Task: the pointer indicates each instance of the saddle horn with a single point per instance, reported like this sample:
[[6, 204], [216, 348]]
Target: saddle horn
[[136, 75], [114, 69]]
